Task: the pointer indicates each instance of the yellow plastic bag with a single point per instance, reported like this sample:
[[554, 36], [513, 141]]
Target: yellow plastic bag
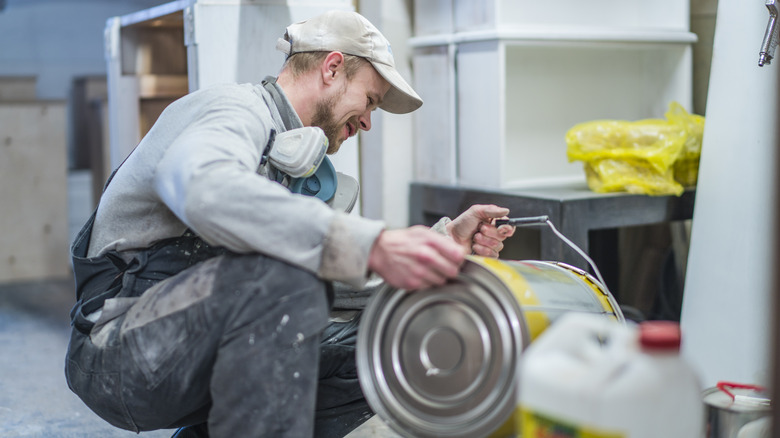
[[651, 156], [686, 167]]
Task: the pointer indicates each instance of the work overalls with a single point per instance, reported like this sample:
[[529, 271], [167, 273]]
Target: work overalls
[[186, 328]]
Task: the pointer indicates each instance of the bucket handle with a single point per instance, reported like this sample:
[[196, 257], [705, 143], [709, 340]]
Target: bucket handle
[[725, 386], [545, 220]]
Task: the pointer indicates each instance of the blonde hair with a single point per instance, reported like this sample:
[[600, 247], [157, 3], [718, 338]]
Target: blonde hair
[[303, 62]]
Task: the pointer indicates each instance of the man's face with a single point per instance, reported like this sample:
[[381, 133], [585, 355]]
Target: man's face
[[347, 109]]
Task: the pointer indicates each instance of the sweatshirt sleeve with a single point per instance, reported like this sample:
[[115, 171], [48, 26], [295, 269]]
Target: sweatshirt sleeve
[[207, 177]]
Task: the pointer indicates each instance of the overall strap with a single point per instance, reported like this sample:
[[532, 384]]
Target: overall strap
[[286, 111]]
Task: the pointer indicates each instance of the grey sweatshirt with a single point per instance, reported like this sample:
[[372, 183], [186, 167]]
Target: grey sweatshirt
[[197, 168]]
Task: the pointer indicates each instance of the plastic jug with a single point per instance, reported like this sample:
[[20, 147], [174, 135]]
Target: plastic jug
[[591, 377]]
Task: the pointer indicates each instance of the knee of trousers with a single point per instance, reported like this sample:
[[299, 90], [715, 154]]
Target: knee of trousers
[[262, 284]]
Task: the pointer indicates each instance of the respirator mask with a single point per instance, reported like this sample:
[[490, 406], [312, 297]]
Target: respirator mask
[[299, 155]]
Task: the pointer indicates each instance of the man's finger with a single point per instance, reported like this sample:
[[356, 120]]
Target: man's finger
[[432, 268], [488, 242], [499, 233], [506, 231], [484, 251], [491, 211], [448, 248]]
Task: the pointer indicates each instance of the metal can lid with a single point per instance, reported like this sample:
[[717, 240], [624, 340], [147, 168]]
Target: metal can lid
[[743, 398], [442, 362]]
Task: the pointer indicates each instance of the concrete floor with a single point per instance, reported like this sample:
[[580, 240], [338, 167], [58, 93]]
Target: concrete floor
[[34, 328], [34, 398]]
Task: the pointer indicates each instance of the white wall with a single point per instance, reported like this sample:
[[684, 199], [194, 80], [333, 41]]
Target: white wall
[[387, 150], [56, 40]]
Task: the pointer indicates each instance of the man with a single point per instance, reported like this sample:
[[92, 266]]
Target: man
[[203, 283]]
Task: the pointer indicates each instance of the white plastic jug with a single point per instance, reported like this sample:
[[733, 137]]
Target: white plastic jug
[[590, 377]]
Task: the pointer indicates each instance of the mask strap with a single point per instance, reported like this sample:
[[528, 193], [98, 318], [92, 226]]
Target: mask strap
[[286, 111]]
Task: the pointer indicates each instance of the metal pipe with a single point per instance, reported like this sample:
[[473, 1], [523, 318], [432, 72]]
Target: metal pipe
[[770, 36]]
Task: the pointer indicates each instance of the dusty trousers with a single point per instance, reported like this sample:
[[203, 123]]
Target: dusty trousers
[[232, 341]]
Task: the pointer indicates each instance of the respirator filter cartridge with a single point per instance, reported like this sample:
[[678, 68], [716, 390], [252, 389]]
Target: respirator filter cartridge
[[299, 152]]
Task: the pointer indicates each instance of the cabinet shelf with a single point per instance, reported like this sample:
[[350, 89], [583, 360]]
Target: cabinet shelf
[[513, 90], [529, 35]]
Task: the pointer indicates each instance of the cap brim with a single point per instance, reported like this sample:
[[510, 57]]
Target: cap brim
[[401, 98]]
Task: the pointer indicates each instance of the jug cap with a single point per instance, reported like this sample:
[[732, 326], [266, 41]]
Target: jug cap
[[660, 335]]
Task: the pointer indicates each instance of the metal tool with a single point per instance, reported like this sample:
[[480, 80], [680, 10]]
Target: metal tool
[[523, 221], [545, 220], [770, 36]]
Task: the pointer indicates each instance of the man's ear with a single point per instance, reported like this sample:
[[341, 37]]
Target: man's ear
[[331, 66]]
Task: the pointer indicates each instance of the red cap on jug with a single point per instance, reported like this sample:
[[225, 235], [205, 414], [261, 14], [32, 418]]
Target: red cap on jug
[[660, 335]]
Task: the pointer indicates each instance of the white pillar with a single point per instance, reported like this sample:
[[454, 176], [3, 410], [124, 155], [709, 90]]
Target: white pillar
[[726, 314]]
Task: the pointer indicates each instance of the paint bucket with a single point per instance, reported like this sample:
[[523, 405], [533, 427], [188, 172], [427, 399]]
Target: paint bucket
[[733, 408], [442, 362]]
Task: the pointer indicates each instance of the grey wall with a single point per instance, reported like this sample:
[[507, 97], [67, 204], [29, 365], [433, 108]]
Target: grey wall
[[56, 40]]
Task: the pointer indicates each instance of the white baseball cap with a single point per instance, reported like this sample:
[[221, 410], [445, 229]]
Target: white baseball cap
[[352, 34]]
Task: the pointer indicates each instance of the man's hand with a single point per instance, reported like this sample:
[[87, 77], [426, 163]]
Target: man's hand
[[475, 232], [415, 258]]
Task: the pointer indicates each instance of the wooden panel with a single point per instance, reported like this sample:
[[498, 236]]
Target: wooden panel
[[13, 88], [153, 50], [150, 110], [33, 190], [155, 86]]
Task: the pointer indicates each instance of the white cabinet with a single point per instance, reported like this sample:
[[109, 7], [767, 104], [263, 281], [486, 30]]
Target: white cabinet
[[159, 54], [630, 14], [503, 88], [435, 134]]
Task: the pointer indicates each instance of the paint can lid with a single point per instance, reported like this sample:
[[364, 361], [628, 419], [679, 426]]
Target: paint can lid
[[442, 362], [735, 397]]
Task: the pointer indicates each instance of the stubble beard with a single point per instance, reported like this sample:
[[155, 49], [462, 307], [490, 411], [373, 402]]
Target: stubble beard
[[323, 117]]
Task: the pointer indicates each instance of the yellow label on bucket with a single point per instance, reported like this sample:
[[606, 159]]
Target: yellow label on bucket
[[535, 425], [599, 294], [537, 320]]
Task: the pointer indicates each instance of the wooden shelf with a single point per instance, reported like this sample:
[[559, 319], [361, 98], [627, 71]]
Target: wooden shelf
[[162, 86], [167, 14]]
